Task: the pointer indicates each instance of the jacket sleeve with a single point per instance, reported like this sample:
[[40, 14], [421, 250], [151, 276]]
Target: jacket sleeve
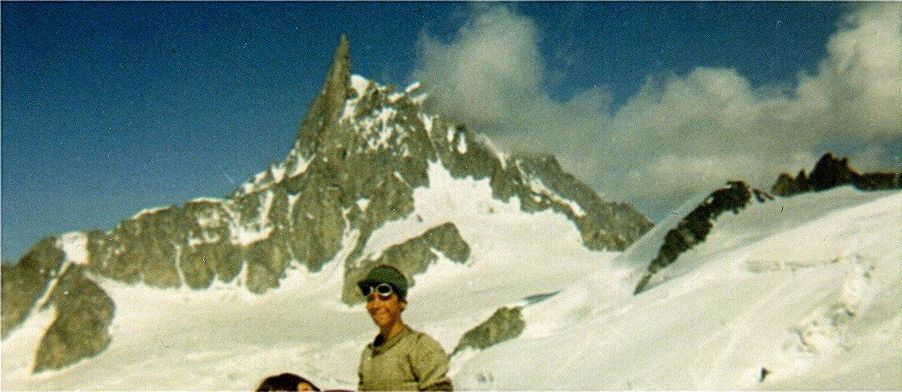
[[430, 365]]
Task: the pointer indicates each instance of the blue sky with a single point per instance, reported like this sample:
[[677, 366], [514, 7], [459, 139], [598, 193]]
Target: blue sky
[[110, 108]]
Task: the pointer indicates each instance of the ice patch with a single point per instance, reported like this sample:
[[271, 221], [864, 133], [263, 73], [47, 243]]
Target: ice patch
[[210, 218], [413, 87], [300, 166], [386, 114], [148, 211], [206, 200], [537, 186], [462, 144], [292, 200], [258, 179], [350, 109], [359, 84], [419, 99], [427, 122], [41, 302], [266, 207], [278, 172], [384, 138], [245, 234], [502, 157], [75, 247], [205, 238], [394, 97]]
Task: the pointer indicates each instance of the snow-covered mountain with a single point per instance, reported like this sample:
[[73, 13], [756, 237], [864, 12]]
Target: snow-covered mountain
[[372, 178], [520, 271], [790, 293]]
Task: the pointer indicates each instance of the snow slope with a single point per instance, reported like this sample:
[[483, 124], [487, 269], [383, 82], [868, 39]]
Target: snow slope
[[807, 287], [225, 338]]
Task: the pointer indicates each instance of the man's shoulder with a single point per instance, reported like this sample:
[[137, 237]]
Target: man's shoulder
[[419, 335], [424, 340]]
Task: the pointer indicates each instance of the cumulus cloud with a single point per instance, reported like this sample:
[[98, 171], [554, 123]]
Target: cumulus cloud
[[490, 78], [684, 134]]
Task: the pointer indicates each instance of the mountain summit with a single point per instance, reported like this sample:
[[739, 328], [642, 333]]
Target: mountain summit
[[371, 179]]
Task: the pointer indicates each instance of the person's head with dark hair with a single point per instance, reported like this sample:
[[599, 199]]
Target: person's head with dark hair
[[289, 382]]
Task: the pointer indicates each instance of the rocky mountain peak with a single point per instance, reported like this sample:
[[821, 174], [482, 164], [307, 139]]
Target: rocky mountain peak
[[830, 172], [326, 107], [363, 153]]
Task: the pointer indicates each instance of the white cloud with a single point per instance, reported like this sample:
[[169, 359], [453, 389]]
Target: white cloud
[[481, 75], [685, 134]]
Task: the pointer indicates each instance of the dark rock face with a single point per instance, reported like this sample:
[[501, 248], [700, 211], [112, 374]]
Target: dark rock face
[[360, 152], [325, 109], [696, 225], [878, 181], [787, 185], [505, 324], [604, 225], [24, 283], [81, 327], [145, 249], [830, 172]]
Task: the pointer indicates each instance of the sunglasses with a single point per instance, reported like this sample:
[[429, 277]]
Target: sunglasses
[[383, 290]]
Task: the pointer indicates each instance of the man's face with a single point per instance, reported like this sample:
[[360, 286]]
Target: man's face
[[385, 311]]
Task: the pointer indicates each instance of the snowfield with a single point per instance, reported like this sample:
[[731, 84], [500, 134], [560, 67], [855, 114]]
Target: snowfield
[[808, 288]]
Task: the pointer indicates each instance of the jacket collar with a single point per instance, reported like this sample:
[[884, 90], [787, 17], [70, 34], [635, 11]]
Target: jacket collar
[[378, 346]]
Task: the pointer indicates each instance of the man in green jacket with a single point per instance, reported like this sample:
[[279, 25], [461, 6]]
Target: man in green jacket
[[399, 358]]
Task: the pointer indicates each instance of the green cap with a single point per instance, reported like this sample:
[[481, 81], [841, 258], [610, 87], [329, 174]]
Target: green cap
[[385, 274]]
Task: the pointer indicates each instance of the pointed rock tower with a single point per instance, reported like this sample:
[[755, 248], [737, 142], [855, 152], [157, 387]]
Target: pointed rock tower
[[325, 109], [371, 178]]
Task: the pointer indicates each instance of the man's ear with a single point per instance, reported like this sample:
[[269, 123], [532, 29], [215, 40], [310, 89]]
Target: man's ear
[[403, 305]]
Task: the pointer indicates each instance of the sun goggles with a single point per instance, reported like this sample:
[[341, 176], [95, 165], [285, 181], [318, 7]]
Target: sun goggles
[[383, 290]]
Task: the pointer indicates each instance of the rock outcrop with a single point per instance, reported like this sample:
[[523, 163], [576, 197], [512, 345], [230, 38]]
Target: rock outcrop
[[693, 228], [84, 314], [25, 283], [505, 324], [830, 172]]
